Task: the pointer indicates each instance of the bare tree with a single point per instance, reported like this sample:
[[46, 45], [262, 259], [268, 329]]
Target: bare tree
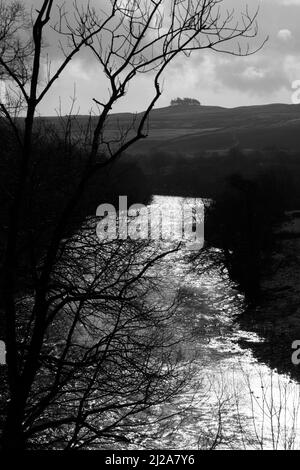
[[108, 352], [128, 38]]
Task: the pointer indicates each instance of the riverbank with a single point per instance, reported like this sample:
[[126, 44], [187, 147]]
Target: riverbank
[[276, 320]]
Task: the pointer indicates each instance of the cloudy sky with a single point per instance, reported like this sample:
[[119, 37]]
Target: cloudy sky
[[213, 78]]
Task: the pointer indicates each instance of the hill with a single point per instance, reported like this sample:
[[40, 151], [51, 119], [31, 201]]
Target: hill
[[193, 129]]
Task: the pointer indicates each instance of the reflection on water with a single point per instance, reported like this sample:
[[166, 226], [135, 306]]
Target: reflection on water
[[234, 401]]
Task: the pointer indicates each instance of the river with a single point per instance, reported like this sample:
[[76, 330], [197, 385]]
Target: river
[[234, 400]]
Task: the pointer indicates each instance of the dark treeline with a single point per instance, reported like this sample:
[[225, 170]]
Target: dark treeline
[[205, 175], [244, 221]]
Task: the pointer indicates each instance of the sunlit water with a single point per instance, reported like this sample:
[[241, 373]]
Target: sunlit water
[[233, 401]]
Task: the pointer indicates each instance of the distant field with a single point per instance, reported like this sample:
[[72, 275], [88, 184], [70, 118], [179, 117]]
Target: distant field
[[196, 129]]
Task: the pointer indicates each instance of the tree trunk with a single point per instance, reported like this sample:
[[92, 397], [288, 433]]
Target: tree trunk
[[13, 437]]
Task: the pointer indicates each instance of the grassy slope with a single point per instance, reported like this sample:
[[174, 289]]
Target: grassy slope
[[191, 129]]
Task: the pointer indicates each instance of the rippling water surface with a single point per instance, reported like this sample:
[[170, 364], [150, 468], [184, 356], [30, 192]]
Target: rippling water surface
[[234, 401]]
